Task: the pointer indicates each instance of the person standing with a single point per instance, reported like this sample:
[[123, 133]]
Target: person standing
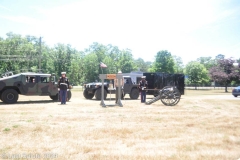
[[142, 86], [63, 85], [118, 87]]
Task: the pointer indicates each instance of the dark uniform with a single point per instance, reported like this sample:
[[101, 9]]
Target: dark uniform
[[63, 85], [142, 86]]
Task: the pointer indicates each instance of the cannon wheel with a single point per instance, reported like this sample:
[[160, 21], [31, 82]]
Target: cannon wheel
[[170, 96]]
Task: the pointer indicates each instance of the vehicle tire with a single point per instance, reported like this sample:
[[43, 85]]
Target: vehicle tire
[[134, 93], [98, 94], [55, 98], [235, 95], [87, 95], [9, 96], [69, 95]]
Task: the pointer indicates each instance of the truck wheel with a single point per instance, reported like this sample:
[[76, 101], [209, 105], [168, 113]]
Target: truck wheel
[[9, 96], [69, 95], [134, 93], [55, 98], [98, 94], [87, 95]]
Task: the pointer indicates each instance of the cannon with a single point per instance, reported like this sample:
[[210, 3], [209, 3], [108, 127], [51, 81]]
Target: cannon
[[166, 87], [169, 96]]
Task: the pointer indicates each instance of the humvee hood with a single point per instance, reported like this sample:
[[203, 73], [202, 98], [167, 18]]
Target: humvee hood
[[9, 77]]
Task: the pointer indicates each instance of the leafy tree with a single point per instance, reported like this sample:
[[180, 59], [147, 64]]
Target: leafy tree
[[63, 56], [125, 63], [196, 73], [15, 51], [224, 73], [91, 68], [178, 67], [164, 62], [219, 56], [142, 65], [208, 62]]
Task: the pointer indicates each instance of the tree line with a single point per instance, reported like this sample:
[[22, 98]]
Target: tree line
[[19, 53]]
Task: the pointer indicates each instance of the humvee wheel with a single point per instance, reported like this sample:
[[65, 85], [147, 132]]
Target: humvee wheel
[[134, 93], [98, 94], [69, 95], [9, 96], [55, 98], [170, 96], [87, 95]]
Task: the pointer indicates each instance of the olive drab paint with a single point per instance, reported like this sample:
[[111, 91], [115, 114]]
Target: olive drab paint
[[29, 84]]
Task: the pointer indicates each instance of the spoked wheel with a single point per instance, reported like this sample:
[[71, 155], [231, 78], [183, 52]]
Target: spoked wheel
[[170, 96]]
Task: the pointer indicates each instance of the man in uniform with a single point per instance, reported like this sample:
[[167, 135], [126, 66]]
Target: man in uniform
[[142, 86], [63, 85], [118, 87]]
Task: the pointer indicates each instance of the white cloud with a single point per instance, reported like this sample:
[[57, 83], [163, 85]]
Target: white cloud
[[5, 8], [22, 19], [145, 27]]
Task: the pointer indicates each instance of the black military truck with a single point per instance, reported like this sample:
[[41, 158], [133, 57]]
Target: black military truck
[[158, 80], [94, 89], [28, 84]]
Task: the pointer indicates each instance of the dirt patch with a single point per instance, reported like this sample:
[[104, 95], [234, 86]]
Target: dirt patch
[[201, 126]]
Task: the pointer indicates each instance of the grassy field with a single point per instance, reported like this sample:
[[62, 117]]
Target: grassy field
[[203, 125]]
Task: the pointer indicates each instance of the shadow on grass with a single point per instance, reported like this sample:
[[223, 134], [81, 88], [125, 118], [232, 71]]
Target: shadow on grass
[[30, 102], [113, 99]]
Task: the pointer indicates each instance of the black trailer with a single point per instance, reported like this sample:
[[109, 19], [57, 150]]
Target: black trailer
[[157, 81], [165, 86]]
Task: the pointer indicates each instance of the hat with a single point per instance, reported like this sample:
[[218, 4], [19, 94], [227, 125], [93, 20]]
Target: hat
[[63, 73], [119, 71], [143, 76]]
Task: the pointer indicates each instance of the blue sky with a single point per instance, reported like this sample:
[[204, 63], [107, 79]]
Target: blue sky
[[187, 28]]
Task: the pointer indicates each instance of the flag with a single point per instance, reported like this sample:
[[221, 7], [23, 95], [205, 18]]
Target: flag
[[102, 65]]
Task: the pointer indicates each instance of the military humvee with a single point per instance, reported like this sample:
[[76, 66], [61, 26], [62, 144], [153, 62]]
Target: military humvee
[[29, 84], [130, 87]]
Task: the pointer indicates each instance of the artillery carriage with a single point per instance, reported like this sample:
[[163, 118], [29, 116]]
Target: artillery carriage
[[165, 87]]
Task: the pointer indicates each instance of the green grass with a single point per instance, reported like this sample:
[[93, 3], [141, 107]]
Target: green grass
[[6, 129], [15, 126], [190, 92]]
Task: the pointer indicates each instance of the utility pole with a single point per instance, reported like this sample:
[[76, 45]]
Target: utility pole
[[40, 53]]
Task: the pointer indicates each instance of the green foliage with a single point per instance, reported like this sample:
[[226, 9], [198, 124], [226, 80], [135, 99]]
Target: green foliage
[[178, 65], [91, 67], [208, 62], [125, 63], [196, 73], [164, 62], [7, 129], [141, 65], [19, 53]]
